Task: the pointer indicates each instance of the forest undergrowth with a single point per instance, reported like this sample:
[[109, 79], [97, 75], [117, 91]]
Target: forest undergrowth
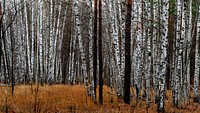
[[73, 99]]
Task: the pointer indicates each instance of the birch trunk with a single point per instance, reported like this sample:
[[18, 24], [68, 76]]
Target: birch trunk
[[179, 55], [32, 41], [197, 62], [52, 41], [164, 20], [40, 40], [78, 30], [90, 11], [27, 41]]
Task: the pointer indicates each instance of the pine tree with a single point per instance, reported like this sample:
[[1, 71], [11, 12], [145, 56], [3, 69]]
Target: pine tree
[[95, 48], [127, 53]]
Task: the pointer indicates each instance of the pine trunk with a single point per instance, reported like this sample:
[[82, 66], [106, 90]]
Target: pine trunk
[[127, 53]]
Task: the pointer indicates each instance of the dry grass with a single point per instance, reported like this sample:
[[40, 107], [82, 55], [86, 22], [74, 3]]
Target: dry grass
[[72, 99]]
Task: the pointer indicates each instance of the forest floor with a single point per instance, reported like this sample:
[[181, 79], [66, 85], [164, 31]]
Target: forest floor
[[73, 99]]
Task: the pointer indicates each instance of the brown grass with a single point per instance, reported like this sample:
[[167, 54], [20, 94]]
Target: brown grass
[[72, 99]]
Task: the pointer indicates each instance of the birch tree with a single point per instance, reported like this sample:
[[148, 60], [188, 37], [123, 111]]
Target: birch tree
[[78, 30], [90, 12], [162, 73], [197, 62], [51, 48]]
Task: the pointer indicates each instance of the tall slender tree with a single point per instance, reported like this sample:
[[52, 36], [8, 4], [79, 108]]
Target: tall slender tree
[[197, 62], [171, 33], [95, 48], [127, 53], [1, 16], [164, 42], [100, 55]]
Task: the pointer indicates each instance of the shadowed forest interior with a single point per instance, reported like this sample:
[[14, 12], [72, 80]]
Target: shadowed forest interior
[[109, 55]]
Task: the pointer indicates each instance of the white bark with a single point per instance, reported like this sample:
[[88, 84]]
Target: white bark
[[40, 38], [90, 12], [57, 36], [27, 39], [189, 35], [123, 12], [178, 55], [138, 51], [22, 47], [164, 17], [32, 38], [197, 61], [147, 54], [81, 48], [183, 37], [51, 48], [115, 40]]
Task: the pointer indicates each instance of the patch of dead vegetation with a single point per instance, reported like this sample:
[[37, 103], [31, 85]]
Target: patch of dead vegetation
[[73, 99]]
